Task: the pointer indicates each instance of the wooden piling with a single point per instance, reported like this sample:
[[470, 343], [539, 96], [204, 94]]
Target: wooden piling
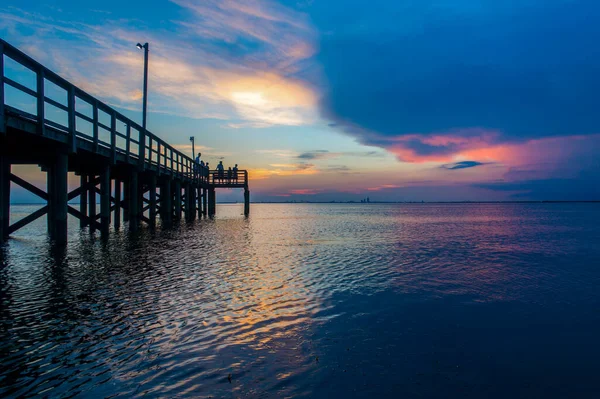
[[92, 202], [205, 202], [83, 181], [177, 189], [117, 215], [105, 200], [192, 202], [166, 202], [134, 197], [212, 201], [57, 198], [187, 207], [152, 199], [199, 201], [126, 196], [4, 198], [246, 201]]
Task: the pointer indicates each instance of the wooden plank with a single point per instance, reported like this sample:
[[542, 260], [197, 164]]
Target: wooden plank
[[57, 104], [28, 219], [29, 187], [40, 102], [88, 221], [95, 124], [2, 110], [89, 185], [20, 87], [113, 137], [72, 128]]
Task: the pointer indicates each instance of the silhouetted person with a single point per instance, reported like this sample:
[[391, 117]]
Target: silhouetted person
[[235, 173], [229, 174], [221, 170], [196, 166]]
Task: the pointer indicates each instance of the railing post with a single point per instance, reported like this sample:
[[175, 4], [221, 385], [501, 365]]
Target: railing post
[[142, 148], [2, 116], [128, 143], [113, 138], [95, 127], [72, 128], [158, 153], [40, 102]]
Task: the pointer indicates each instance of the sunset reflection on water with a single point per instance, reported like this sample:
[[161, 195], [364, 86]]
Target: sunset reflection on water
[[309, 301]]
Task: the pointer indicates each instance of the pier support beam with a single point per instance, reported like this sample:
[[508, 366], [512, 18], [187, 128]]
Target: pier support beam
[[198, 202], [152, 198], [117, 216], [177, 189], [212, 201], [83, 180], [166, 202], [4, 198], [126, 194], [193, 202], [57, 198], [246, 201], [187, 207], [134, 201], [105, 200], [204, 202], [92, 202]]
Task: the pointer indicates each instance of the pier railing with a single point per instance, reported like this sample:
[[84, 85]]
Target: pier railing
[[227, 179], [37, 94]]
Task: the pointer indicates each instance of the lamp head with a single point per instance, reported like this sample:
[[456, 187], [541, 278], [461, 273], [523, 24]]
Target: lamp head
[[139, 46]]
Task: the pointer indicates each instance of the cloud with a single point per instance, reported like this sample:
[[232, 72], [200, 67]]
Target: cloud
[[462, 165], [453, 70], [583, 188], [326, 154], [383, 187], [283, 170], [305, 191], [318, 154], [244, 72]]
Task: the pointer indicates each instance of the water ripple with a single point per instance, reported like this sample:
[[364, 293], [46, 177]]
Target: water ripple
[[296, 301]]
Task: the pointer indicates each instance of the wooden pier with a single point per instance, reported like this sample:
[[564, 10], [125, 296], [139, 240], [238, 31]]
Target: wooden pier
[[137, 176]]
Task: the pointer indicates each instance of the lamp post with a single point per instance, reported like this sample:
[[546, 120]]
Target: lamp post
[[145, 100], [192, 140]]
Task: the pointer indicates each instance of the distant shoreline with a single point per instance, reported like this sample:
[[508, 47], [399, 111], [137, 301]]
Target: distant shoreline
[[377, 202]]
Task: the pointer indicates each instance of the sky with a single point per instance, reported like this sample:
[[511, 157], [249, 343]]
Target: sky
[[428, 100]]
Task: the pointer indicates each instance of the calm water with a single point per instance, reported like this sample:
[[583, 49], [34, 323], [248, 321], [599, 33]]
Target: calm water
[[324, 301]]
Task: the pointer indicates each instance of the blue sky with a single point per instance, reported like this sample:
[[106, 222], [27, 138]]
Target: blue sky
[[322, 100]]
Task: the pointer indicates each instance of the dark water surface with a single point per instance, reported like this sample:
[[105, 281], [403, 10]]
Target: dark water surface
[[324, 301]]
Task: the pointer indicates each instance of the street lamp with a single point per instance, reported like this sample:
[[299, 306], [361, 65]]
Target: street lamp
[[145, 47], [192, 140]]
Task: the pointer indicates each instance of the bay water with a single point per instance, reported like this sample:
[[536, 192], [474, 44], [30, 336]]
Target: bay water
[[310, 300]]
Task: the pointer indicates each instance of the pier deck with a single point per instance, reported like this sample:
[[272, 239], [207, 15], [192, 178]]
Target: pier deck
[[137, 176]]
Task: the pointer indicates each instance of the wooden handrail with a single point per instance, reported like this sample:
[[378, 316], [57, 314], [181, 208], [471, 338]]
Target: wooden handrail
[[167, 157]]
